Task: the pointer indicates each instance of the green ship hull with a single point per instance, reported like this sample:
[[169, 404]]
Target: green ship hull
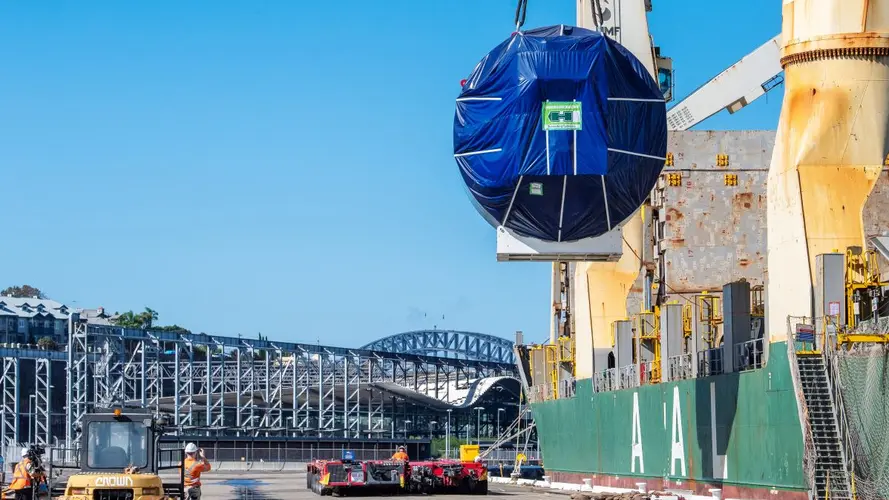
[[739, 432]]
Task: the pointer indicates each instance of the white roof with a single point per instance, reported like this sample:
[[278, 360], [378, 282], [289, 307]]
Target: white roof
[[23, 307]]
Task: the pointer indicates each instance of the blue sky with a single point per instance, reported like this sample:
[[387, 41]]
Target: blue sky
[[282, 167]]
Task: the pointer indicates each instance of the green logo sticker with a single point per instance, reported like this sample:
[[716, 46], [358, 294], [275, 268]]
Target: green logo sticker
[[561, 115], [535, 189]]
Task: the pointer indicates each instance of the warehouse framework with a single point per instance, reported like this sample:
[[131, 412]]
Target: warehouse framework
[[228, 386]]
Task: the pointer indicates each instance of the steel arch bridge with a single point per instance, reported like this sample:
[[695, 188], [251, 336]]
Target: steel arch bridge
[[448, 344]]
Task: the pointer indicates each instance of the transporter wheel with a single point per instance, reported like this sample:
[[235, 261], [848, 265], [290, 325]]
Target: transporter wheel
[[465, 487], [480, 488]]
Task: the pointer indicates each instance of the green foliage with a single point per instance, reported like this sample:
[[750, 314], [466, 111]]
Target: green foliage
[[171, 328], [438, 448], [143, 319], [146, 319], [24, 292], [47, 343]]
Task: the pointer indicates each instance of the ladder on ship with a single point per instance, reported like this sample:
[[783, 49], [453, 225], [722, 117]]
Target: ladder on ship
[[832, 479]]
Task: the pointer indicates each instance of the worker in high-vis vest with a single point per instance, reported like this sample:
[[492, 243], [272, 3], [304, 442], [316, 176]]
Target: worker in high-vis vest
[[400, 455], [195, 464], [22, 478]]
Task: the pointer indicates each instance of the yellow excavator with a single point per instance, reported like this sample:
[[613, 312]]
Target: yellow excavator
[[119, 458]]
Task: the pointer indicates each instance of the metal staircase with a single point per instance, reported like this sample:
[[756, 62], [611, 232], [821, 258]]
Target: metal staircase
[[832, 479]]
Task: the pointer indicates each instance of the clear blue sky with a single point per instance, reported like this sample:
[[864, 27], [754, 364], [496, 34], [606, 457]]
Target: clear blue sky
[[281, 167]]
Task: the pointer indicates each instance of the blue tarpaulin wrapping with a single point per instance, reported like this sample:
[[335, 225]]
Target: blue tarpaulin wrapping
[[560, 134]]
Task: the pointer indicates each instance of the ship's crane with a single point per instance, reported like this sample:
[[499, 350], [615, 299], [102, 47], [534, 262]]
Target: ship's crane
[[736, 87]]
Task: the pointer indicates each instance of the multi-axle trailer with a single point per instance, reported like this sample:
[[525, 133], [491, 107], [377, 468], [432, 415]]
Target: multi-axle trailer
[[326, 477]]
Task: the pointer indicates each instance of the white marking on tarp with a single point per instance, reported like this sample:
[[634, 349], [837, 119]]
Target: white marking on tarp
[[471, 153]]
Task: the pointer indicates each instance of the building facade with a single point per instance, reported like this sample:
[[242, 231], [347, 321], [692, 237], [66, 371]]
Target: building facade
[[27, 320]]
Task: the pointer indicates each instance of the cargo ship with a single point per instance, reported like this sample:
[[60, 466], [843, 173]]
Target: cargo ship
[[726, 338]]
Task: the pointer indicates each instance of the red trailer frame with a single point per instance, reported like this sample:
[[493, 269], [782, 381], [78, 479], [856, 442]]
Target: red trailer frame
[[326, 477], [448, 476]]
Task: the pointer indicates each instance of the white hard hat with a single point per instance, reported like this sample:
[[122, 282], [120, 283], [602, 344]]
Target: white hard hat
[[191, 448], [24, 452]]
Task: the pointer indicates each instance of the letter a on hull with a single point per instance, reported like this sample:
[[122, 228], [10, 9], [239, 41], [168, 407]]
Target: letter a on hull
[[637, 438], [678, 447]]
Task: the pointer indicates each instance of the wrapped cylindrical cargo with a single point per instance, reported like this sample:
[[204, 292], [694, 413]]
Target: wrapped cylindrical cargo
[[559, 134]]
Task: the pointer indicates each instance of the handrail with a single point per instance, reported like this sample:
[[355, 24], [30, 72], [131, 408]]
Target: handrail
[[808, 436], [835, 387]]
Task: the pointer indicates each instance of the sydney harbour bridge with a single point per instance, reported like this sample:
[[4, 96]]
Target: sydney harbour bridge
[[420, 383]]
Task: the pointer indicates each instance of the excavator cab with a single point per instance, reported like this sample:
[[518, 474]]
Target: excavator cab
[[120, 459]]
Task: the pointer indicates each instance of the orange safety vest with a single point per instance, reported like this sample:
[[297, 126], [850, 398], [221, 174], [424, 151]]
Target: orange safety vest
[[400, 455], [193, 469], [21, 479]]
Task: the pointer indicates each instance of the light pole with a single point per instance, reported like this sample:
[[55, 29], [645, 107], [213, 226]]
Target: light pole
[[32, 434], [478, 424], [498, 421], [448, 436]]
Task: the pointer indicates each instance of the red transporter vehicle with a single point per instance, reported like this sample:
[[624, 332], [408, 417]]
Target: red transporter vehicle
[[447, 476], [326, 477]]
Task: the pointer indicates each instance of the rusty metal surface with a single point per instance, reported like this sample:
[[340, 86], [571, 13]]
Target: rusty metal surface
[[712, 234], [876, 215], [876, 209], [833, 25]]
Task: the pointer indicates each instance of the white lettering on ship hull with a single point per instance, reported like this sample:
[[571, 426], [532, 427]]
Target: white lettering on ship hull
[[637, 438], [720, 462], [678, 448], [106, 481]]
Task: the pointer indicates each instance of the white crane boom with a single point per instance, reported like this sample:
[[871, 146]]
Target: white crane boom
[[742, 83]]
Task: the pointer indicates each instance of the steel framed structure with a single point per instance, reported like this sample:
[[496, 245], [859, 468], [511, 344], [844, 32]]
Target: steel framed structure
[[226, 386], [448, 343]]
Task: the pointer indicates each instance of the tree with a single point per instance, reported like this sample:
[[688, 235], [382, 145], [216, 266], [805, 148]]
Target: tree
[[128, 320], [145, 320], [47, 343], [200, 352], [24, 292], [171, 328], [148, 317]]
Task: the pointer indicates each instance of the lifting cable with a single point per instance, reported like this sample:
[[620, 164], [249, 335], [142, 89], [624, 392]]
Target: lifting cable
[[520, 11], [598, 15]]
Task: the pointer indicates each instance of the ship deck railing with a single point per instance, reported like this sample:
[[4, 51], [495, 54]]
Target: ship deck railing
[[606, 380], [748, 355], [647, 375], [710, 362], [681, 367], [629, 377], [615, 379]]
